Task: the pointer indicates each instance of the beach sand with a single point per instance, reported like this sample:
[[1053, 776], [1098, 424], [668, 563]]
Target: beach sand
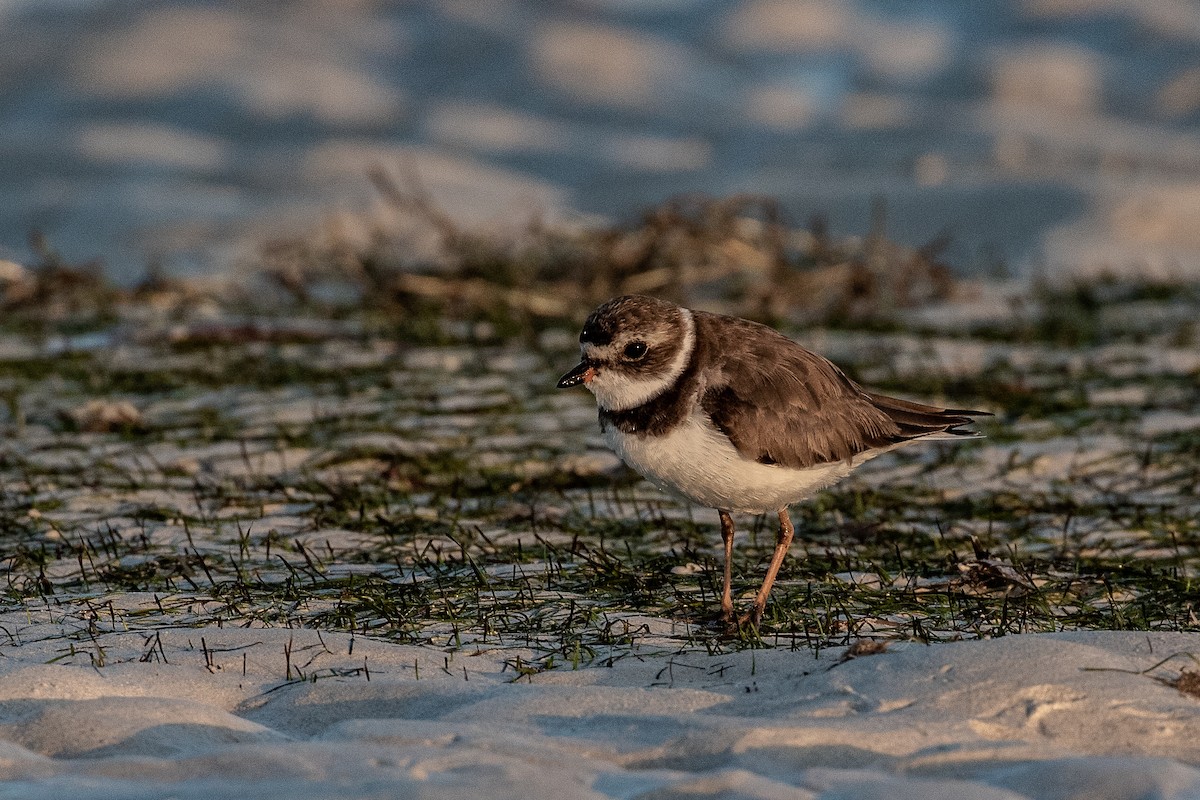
[[209, 712]]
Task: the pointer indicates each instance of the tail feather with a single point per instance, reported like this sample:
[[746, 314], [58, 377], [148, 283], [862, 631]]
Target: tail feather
[[917, 420]]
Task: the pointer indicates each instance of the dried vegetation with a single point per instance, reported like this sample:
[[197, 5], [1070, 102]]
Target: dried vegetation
[[737, 252]]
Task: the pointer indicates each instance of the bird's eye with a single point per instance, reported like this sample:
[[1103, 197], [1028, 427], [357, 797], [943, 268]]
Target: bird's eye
[[635, 350]]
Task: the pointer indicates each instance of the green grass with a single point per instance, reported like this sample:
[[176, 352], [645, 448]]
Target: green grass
[[332, 484]]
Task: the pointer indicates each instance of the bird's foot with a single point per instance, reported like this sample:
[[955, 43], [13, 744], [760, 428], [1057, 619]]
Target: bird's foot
[[745, 625], [752, 618], [728, 620]]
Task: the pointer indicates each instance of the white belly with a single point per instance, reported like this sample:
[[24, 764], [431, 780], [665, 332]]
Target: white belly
[[698, 462]]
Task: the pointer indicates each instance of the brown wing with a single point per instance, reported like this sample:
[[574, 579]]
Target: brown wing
[[781, 404]]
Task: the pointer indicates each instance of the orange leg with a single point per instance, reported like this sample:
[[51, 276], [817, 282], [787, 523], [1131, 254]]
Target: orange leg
[[783, 541], [727, 593]]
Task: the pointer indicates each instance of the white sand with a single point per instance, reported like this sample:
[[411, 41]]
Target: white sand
[[1039, 716]]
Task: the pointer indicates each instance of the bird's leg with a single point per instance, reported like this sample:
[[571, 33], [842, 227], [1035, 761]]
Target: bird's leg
[[727, 593], [783, 541]]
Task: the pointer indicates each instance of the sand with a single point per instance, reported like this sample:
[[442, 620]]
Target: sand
[[109, 690], [207, 712]]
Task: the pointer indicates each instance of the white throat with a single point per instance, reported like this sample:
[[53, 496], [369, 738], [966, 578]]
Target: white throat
[[616, 392]]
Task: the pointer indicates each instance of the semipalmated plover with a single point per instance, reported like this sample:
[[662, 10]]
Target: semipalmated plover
[[733, 415]]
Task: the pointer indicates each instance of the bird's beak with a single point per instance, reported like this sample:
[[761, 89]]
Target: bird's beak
[[582, 373]]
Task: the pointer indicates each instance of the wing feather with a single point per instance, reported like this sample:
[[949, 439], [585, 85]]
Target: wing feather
[[782, 404]]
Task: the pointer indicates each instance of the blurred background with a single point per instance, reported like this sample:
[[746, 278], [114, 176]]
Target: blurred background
[[1045, 137]]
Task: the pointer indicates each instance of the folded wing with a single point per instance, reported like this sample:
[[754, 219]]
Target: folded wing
[[782, 404]]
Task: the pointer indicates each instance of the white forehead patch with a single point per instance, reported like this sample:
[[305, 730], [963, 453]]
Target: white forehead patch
[[619, 392]]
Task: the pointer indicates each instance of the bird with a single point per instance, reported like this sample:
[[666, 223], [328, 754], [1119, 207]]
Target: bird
[[732, 415]]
